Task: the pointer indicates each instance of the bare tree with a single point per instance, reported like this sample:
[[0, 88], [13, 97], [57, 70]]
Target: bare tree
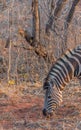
[[55, 13], [34, 38], [51, 25], [71, 12], [54, 10]]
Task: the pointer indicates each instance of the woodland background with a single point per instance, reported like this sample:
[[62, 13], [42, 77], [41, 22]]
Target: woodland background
[[33, 36]]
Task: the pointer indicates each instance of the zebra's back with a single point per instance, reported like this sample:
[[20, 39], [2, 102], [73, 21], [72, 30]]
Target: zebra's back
[[66, 67]]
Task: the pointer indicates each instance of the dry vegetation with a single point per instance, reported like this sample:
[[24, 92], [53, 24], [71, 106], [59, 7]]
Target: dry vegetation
[[20, 108], [22, 72]]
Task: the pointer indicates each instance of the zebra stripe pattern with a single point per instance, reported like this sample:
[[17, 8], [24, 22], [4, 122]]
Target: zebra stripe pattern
[[64, 69]]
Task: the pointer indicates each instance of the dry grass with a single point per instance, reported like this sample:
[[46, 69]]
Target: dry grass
[[21, 108]]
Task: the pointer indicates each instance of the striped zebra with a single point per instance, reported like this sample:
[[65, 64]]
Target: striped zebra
[[61, 73]]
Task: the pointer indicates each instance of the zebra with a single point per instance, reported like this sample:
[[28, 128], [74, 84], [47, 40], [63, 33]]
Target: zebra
[[61, 73]]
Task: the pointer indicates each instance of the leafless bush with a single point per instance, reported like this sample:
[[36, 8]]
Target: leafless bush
[[22, 63]]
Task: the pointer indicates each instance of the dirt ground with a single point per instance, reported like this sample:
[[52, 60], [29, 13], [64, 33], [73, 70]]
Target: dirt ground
[[21, 108]]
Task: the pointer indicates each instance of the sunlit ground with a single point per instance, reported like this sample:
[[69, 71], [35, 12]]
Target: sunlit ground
[[21, 108]]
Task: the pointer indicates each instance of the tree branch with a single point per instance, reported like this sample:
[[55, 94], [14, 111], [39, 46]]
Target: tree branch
[[71, 12], [49, 24], [39, 49]]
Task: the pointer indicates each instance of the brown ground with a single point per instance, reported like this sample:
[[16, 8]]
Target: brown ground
[[22, 109]]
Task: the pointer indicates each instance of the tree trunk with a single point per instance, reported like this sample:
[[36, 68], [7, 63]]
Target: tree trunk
[[70, 14], [53, 19], [55, 9], [36, 21]]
